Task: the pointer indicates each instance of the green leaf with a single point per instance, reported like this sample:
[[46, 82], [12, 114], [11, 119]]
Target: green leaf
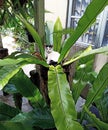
[[38, 117], [96, 122], [7, 110], [23, 58], [17, 58], [87, 19], [12, 66], [102, 106], [62, 104], [6, 73], [4, 117], [34, 34], [9, 61], [87, 52], [26, 87], [48, 32], [13, 126], [77, 89], [10, 88], [57, 36], [99, 86], [84, 76], [65, 31], [30, 59]]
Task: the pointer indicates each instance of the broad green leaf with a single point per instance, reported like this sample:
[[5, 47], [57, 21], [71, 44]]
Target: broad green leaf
[[62, 103], [99, 86], [40, 117], [6, 73], [30, 59], [18, 58], [7, 110], [26, 87], [34, 34], [96, 122], [87, 52], [13, 126], [87, 19], [57, 37], [11, 67], [9, 61]]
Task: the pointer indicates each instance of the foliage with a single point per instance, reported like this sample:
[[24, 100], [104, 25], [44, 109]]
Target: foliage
[[84, 75], [10, 25], [62, 99], [8, 10], [83, 24], [98, 87], [64, 117], [97, 123], [102, 105], [57, 37]]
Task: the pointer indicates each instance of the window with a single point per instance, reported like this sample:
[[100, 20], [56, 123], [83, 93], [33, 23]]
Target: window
[[97, 34]]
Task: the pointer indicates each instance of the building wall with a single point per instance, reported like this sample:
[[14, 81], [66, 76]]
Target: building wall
[[58, 9]]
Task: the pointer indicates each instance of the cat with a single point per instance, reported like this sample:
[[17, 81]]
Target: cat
[[51, 55], [48, 50]]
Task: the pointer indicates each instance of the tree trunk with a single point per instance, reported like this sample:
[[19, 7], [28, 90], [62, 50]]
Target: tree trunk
[[39, 18], [39, 25]]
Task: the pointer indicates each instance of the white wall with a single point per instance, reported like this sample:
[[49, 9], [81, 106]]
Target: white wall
[[58, 9]]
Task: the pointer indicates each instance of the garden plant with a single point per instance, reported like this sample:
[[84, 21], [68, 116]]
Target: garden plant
[[54, 100]]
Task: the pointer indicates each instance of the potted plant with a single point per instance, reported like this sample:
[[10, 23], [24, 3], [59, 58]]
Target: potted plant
[[61, 103]]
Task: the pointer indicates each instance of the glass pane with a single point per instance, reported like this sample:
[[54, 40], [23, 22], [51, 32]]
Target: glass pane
[[90, 35], [78, 9]]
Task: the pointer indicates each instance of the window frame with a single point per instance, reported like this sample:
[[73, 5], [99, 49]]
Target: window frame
[[102, 18]]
